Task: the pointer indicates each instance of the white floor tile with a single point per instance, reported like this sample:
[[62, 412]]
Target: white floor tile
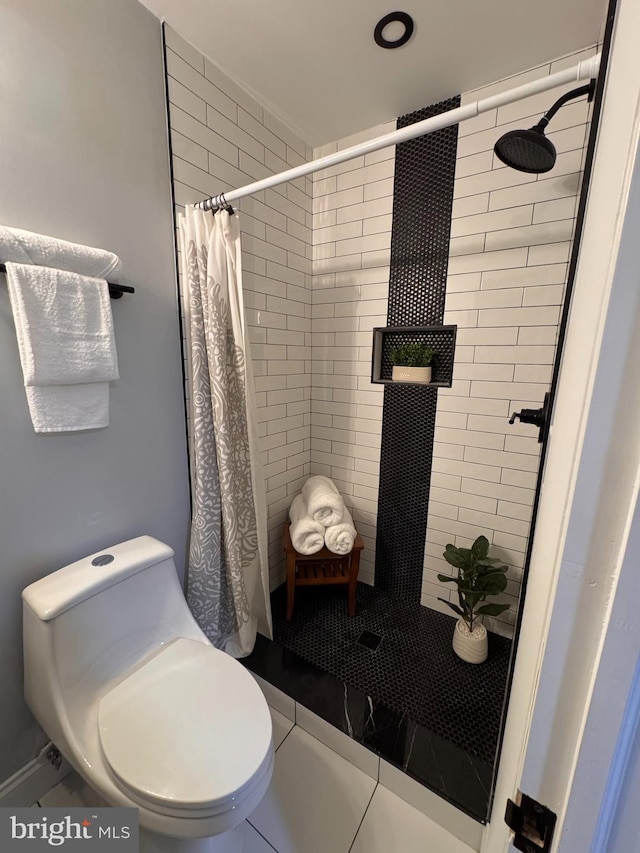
[[390, 824], [254, 842], [316, 799], [281, 727], [71, 792], [442, 813]]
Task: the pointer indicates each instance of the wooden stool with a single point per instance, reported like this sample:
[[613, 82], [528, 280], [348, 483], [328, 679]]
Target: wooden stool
[[324, 567]]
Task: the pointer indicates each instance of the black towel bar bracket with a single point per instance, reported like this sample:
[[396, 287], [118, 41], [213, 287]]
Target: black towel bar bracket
[[115, 290]]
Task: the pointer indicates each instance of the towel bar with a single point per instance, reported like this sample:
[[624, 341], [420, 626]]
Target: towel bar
[[115, 290]]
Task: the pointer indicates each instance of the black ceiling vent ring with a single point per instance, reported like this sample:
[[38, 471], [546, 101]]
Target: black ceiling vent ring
[[393, 17]]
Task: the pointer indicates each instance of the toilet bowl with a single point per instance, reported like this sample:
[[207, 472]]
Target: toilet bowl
[[148, 712]]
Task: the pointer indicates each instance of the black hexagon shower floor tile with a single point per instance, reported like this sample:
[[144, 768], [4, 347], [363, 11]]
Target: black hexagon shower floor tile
[[413, 670]]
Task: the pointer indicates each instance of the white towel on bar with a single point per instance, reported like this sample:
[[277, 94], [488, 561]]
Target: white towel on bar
[[68, 408], [307, 535], [339, 538], [28, 247], [67, 347], [323, 500]]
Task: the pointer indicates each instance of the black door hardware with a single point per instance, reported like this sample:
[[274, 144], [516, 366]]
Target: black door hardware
[[532, 824], [537, 417]]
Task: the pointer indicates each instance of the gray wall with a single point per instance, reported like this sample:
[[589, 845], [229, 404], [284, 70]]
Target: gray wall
[[83, 156]]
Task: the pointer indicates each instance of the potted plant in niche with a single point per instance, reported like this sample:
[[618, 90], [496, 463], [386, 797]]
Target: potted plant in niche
[[412, 362], [479, 576]]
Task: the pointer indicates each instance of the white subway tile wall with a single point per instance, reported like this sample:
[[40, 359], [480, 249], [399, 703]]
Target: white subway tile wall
[[511, 237], [352, 209], [222, 139]]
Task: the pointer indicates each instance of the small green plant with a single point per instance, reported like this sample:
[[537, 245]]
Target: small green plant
[[412, 355], [478, 577]]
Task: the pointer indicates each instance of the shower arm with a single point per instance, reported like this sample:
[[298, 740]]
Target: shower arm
[[589, 90]]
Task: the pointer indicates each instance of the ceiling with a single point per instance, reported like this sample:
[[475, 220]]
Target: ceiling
[[316, 65]]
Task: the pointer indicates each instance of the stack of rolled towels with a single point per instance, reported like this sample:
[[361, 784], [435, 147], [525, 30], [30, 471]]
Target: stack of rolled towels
[[319, 517]]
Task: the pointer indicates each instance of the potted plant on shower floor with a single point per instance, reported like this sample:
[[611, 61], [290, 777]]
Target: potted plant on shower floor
[[412, 362], [478, 577]]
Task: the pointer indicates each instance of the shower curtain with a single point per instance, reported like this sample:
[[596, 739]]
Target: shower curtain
[[227, 575]]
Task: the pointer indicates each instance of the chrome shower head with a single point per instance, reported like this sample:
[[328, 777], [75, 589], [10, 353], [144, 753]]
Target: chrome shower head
[[530, 150]]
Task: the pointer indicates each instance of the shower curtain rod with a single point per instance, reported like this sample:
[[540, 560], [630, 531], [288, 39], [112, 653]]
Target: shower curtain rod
[[586, 69]]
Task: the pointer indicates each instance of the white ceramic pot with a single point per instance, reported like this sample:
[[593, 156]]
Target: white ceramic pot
[[401, 373], [471, 646]]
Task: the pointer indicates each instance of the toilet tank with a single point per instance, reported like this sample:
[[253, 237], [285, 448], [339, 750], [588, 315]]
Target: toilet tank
[[90, 623]]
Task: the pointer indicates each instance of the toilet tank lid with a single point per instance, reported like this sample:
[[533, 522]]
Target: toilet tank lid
[[63, 589]]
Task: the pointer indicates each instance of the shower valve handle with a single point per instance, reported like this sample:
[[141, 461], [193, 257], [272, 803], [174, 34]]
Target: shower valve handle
[[537, 417], [527, 416]]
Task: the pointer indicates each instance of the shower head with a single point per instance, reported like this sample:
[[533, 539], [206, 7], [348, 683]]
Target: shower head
[[530, 150], [526, 150]]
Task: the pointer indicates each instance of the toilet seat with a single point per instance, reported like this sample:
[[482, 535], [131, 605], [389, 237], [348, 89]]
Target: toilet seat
[[188, 730]]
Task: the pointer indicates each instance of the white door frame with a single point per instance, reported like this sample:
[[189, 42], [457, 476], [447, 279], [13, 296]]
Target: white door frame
[[596, 819], [590, 478]]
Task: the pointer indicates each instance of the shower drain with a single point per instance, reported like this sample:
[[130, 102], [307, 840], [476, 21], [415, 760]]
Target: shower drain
[[369, 640]]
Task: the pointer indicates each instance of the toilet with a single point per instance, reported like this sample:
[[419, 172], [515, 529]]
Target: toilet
[[149, 713]]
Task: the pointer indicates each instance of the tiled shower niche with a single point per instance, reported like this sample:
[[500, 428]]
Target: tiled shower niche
[[441, 338]]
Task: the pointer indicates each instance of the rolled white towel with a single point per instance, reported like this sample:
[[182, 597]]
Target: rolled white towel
[[307, 535], [323, 500], [339, 538]]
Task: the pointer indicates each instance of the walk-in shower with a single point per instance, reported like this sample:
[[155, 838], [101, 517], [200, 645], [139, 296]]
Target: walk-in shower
[[387, 676]]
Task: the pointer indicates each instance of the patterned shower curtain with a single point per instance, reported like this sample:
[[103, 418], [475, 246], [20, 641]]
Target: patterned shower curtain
[[227, 576]]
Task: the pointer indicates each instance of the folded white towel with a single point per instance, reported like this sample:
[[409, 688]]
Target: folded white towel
[[339, 538], [67, 346], [323, 500], [307, 535], [64, 326], [67, 408], [28, 247]]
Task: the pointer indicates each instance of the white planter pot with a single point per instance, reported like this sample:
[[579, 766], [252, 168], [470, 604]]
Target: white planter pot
[[471, 646], [411, 374]]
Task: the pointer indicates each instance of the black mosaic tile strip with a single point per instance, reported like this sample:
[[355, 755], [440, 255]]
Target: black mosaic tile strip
[[408, 425], [414, 671], [422, 199], [423, 195]]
